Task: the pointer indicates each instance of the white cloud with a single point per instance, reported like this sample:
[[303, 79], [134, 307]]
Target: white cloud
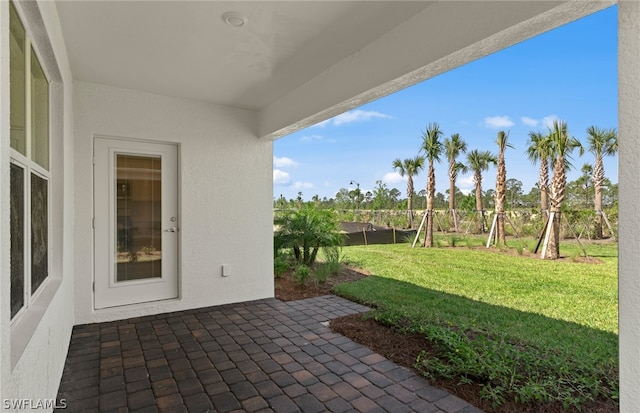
[[497, 122], [465, 184], [311, 138], [548, 120], [302, 185], [280, 177], [529, 121], [316, 138], [393, 178], [356, 115], [283, 162]]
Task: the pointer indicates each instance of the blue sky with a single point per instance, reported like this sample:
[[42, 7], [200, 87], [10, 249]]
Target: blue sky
[[569, 73]]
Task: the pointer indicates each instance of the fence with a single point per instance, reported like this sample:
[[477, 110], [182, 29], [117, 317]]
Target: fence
[[365, 233]]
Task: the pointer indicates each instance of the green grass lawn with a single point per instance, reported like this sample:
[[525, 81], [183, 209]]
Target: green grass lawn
[[550, 325]]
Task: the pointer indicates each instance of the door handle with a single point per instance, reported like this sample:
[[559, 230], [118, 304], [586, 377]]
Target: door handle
[[172, 229]]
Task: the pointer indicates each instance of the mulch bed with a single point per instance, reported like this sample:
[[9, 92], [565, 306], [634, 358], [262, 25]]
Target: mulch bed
[[403, 349]]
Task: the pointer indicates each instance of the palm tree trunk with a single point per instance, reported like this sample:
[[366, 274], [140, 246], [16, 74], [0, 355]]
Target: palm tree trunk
[[598, 178], [557, 193], [553, 247], [543, 182], [500, 233], [479, 209], [452, 195], [410, 200], [500, 201], [431, 192], [598, 207]]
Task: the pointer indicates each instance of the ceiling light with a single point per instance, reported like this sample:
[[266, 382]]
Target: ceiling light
[[234, 19]]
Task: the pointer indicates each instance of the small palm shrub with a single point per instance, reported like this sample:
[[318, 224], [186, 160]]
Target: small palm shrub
[[306, 230]]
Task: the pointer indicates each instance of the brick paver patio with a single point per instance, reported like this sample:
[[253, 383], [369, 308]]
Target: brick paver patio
[[259, 356]]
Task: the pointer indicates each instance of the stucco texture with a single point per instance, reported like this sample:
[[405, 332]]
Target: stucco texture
[[225, 195]]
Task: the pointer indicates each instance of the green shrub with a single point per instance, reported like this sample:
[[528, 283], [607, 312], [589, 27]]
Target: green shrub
[[507, 370], [321, 273], [280, 266], [332, 258], [306, 230], [301, 274]]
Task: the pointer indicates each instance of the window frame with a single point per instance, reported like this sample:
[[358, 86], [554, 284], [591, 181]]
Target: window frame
[[31, 167]]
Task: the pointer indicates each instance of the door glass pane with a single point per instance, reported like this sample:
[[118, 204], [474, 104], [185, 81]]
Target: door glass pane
[[39, 231], [16, 188], [39, 114], [138, 217], [17, 84]]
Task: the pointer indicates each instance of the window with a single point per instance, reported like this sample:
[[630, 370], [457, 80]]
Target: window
[[29, 171]]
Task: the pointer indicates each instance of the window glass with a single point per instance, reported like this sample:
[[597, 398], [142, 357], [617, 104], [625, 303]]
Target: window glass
[[39, 114], [39, 231], [16, 217], [139, 212], [17, 43]]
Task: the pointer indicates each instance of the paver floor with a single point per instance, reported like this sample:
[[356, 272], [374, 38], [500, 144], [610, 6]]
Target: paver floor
[[259, 356]]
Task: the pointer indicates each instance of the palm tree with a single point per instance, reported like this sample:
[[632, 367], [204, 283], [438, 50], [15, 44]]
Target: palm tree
[[409, 167], [539, 150], [432, 148], [601, 143], [306, 230], [454, 147], [503, 143], [561, 147], [479, 161]]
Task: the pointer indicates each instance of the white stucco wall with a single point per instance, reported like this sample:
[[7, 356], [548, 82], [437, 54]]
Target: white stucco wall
[[226, 195], [629, 197], [33, 352]]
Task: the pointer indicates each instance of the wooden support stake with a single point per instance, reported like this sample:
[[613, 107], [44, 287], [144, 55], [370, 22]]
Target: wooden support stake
[[455, 220], [364, 234], [512, 226], [544, 230], [574, 234], [471, 222], [493, 227], [608, 225], [439, 223], [424, 217]]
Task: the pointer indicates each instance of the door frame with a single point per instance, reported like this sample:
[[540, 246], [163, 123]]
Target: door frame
[[109, 146]]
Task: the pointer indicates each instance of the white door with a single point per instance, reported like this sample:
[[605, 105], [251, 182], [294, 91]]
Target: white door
[[136, 223]]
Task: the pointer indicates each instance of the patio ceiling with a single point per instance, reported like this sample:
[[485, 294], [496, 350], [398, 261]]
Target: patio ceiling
[[292, 59]]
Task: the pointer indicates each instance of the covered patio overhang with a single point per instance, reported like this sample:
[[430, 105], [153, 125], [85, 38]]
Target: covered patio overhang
[[297, 64], [276, 68]]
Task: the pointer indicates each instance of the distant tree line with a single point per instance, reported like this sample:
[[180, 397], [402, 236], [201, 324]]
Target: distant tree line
[[551, 151]]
